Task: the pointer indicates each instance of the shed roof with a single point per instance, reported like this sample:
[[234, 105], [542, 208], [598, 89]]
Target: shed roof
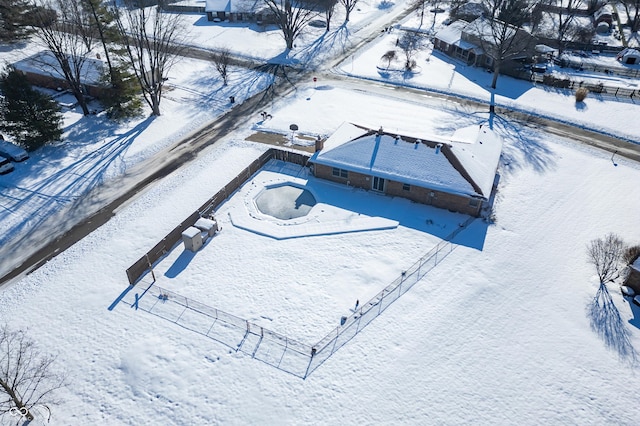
[[464, 163]]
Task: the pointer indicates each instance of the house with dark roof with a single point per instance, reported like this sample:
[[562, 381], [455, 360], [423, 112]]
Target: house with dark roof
[[455, 173]]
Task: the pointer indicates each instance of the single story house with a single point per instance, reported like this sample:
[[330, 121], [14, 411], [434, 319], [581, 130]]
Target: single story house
[[239, 11], [456, 173], [473, 42], [449, 40], [42, 69]]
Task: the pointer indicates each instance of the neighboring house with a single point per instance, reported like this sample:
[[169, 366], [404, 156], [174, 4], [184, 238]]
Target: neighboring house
[[239, 11], [449, 40], [43, 70], [468, 11], [473, 42], [633, 279], [456, 174], [521, 44]]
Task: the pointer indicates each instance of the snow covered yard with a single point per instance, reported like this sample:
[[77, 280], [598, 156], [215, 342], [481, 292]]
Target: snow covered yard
[[96, 150], [497, 335], [234, 271], [441, 73]]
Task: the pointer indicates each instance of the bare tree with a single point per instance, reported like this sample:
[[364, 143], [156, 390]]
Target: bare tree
[[632, 9], [221, 61], [389, 56], [564, 28], [292, 16], [27, 377], [500, 34], [70, 41], [421, 7], [410, 42], [329, 7], [605, 254], [349, 6], [152, 41]]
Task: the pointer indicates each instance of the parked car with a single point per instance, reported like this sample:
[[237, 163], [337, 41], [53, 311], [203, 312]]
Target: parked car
[[5, 165], [12, 151]]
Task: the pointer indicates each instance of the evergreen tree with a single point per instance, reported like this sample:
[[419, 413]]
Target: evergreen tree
[[121, 99], [30, 117], [14, 20]]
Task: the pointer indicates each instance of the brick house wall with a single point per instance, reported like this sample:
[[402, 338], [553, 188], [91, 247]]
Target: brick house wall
[[54, 83], [633, 280], [440, 199]]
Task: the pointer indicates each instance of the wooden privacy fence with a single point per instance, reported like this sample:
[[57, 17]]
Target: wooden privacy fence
[[599, 88], [143, 265]]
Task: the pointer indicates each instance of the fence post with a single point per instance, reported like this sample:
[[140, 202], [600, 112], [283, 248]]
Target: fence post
[[150, 268], [335, 340], [358, 325]]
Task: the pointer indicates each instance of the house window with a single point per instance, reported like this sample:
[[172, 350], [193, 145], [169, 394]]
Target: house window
[[474, 202], [406, 187], [340, 173]]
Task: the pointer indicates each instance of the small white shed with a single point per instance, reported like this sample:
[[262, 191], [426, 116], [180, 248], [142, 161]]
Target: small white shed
[[192, 238], [210, 227], [629, 56]]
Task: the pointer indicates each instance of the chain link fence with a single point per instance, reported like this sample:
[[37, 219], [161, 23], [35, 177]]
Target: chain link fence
[[274, 349]]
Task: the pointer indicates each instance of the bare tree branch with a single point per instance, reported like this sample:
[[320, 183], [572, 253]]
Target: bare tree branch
[[292, 16], [605, 254], [500, 34], [349, 6], [70, 40], [27, 377], [221, 61], [152, 41]]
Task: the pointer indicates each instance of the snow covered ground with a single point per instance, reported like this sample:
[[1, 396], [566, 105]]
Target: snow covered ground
[[496, 334]]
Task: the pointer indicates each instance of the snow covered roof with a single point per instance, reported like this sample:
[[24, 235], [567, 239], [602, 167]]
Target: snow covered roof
[[628, 52], [463, 164], [452, 33], [44, 63], [234, 6]]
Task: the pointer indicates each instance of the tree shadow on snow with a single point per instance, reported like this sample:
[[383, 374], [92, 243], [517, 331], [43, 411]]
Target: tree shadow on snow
[[67, 186], [326, 42], [605, 320], [523, 146]]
